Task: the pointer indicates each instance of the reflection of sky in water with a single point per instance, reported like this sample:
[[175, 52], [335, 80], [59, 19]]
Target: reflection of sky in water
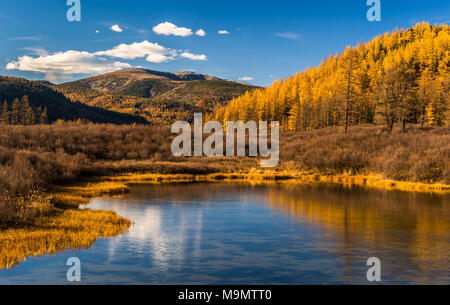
[[239, 234], [158, 236]]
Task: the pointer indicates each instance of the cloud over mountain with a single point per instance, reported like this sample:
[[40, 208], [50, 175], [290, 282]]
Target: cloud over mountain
[[246, 78], [193, 56], [62, 65], [152, 51]]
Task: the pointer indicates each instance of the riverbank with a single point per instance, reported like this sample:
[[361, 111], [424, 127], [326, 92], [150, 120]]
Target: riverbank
[[68, 227], [62, 226], [118, 185], [62, 231]]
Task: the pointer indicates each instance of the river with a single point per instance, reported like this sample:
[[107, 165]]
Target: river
[[235, 233]]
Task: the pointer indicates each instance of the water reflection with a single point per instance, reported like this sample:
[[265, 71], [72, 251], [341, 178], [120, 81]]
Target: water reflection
[[408, 231], [157, 236], [262, 234], [412, 230]]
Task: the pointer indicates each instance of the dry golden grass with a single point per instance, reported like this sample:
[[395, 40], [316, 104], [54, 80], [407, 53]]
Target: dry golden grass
[[372, 181], [150, 178], [66, 229], [70, 229], [109, 184], [65, 200], [93, 189]]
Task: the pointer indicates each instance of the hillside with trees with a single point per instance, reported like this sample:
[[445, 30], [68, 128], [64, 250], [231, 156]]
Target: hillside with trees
[[400, 77], [25, 102], [22, 112], [160, 97], [156, 111]]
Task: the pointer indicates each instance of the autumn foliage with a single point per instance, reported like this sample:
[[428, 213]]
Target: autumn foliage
[[398, 78]]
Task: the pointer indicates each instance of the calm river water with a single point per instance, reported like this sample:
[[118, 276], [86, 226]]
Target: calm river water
[[261, 234]]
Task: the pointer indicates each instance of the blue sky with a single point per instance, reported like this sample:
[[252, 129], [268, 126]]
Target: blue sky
[[266, 40]]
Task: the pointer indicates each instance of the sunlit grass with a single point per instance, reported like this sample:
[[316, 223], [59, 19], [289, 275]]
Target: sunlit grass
[[66, 227], [371, 181], [70, 229], [94, 189], [117, 185]]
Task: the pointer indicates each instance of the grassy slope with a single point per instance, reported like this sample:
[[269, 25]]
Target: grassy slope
[[147, 83]]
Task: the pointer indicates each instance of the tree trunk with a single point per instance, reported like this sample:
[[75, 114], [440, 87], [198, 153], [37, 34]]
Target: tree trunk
[[346, 119], [391, 124], [347, 99]]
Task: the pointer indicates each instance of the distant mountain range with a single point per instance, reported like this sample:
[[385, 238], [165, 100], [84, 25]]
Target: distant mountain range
[[128, 96]]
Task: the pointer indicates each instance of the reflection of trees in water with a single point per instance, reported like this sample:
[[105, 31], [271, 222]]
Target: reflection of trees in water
[[412, 228], [190, 192]]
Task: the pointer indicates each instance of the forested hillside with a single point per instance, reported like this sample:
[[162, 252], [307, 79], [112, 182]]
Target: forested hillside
[[398, 78], [28, 102], [156, 111], [22, 112], [160, 97]]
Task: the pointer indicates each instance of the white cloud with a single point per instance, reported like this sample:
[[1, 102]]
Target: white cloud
[[193, 56], [97, 31], [200, 33], [288, 35], [168, 28], [153, 51], [158, 58], [116, 28], [62, 65], [246, 78], [223, 32]]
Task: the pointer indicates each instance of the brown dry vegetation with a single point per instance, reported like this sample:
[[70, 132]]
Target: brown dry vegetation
[[34, 158], [415, 154]]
